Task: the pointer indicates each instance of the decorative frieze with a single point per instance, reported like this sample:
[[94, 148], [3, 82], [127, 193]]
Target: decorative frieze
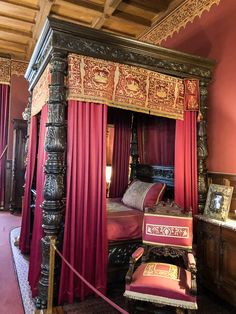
[[183, 14], [9, 67]]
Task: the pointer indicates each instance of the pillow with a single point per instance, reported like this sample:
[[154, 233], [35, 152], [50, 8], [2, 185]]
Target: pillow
[[143, 194]]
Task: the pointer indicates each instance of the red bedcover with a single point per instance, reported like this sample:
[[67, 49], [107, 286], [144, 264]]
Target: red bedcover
[[123, 223]]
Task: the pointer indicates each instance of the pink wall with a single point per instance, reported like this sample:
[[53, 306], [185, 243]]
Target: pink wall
[[214, 36], [18, 102]]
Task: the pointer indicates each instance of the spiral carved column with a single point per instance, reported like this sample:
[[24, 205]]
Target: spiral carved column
[[54, 186], [202, 148]]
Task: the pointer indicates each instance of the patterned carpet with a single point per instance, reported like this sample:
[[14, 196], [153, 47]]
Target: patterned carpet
[[207, 303]]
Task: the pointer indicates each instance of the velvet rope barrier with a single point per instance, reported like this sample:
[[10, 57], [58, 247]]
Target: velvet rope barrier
[[3, 152], [88, 284]]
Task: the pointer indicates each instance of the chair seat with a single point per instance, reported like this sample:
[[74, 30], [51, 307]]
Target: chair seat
[[162, 283]]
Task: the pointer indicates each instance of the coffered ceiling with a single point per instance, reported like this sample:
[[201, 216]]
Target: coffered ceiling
[[21, 21]]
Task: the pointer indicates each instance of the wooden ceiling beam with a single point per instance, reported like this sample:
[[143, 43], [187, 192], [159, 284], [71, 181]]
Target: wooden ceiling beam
[[132, 18], [22, 3], [16, 18], [12, 46], [16, 31], [85, 4], [17, 6], [109, 7], [64, 18]]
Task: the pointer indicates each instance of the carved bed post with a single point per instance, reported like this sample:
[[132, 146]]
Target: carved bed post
[[202, 148], [27, 116], [134, 149], [54, 186]]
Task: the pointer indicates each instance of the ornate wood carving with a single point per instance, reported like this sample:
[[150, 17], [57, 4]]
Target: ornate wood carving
[[134, 149], [27, 116], [202, 152], [68, 37], [122, 54], [54, 187]]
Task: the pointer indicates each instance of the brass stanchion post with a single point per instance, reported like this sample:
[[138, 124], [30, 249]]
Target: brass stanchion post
[[50, 309]]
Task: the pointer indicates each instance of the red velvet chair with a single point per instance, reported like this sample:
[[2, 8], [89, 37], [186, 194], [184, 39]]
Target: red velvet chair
[[167, 234]]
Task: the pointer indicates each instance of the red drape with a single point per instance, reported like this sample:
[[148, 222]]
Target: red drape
[[24, 243], [121, 153], [35, 252], [156, 138], [85, 238], [4, 109], [186, 192]]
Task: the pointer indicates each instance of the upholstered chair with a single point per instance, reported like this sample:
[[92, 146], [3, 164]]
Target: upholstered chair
[[163, 271]]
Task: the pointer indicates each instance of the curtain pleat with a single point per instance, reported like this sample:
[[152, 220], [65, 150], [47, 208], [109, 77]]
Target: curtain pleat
[[156, 140], [85, 238], [35, 252], [24, 243], [186, 191], [4, 110], [121, 153]]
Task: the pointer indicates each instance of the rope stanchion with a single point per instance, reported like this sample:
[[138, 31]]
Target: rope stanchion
[[3, 152], [50, 309], [117, 307]]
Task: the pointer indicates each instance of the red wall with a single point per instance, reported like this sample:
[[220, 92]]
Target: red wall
[[214, 36], [18, 102]]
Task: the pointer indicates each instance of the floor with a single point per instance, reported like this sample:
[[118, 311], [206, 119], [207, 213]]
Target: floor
[[11, 299]]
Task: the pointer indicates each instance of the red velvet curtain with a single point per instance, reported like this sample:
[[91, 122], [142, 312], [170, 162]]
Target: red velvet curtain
[[4, 109], [186, 192], [85, 238], [121, 153], [156, 138], [24, 243], [35, 252]]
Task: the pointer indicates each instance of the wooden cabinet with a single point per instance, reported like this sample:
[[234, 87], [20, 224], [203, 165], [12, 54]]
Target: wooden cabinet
[[216, 257], [18, 165]]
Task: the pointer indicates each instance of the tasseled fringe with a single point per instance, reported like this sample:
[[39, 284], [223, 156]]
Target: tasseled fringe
[[161, 300]]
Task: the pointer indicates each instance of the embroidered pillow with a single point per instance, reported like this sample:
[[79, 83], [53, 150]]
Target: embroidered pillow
[[143, 194]]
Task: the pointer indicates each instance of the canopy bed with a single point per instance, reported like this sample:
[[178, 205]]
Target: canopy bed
[[85, 67]]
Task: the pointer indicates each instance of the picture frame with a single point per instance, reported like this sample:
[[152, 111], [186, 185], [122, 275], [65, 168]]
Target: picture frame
[[218, 201]]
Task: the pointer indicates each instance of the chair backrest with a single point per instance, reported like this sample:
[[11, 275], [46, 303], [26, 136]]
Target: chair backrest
[[168, 228]]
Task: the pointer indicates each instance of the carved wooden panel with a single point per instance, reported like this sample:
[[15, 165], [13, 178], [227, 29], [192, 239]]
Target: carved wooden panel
[[216, 251]]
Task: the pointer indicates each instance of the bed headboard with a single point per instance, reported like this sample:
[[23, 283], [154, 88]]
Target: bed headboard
[[157, 173]]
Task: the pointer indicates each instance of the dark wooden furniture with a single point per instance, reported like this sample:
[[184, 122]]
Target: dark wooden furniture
[[216, 252], [59, 38], [18, 164]]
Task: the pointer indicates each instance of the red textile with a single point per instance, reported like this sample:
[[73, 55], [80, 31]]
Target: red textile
[[121, 153], [156, 138], [163, 280], [85, 237], [24, 243], [167, 230], [123, 223], [35, 252], [186, 191], [4, 108]]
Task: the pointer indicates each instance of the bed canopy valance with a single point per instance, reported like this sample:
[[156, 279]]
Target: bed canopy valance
[[122, 86], [54, 77]]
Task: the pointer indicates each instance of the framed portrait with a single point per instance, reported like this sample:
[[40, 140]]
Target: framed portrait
[[218, 201]]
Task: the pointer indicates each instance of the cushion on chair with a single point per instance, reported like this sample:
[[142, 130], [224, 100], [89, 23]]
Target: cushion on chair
[[143, 194], [162, 283], [167, 230]]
